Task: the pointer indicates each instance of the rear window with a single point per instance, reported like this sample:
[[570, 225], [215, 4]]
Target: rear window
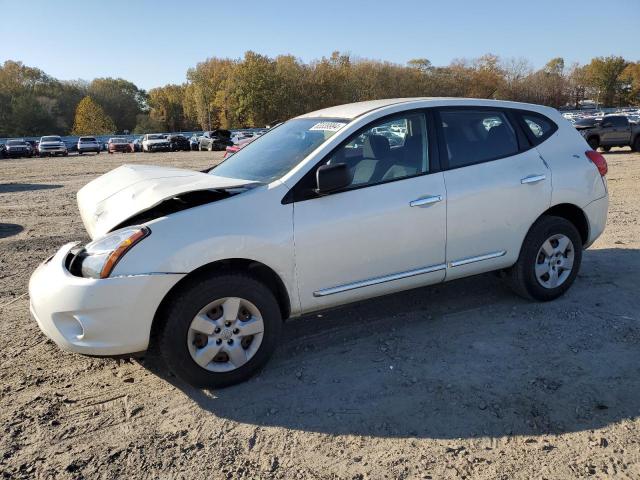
[[475, 136], [87, 139]]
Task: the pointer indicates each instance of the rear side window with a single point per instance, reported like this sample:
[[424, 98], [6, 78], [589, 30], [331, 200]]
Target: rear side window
[[475, 136], [615, 121], [539, 127]]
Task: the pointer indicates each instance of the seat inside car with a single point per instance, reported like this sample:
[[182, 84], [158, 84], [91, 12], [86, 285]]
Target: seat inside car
[[376, 150]]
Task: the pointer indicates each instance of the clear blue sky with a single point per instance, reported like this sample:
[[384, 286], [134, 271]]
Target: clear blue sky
[[154, 42]]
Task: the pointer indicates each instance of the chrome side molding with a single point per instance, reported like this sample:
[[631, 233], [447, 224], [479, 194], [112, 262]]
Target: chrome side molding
[[479, 258], [378, 280]]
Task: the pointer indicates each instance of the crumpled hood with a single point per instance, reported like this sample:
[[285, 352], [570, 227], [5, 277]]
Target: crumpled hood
[[120, 194]]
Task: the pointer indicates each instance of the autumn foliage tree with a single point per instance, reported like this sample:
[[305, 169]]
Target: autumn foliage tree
[[91, 119]]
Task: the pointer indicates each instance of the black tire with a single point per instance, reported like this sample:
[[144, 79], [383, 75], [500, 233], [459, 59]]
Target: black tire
[[79, 152], [522, 277], [605, 149], [171, 342], [636, 144], [594, 142]]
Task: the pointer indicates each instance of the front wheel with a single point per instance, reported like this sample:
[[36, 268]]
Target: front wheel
[[220, 331], [549, 260]]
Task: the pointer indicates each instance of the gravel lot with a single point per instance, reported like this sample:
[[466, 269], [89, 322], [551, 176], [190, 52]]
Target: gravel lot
[[461, 380]]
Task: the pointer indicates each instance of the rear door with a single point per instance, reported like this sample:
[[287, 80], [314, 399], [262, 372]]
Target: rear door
[[497, 185]]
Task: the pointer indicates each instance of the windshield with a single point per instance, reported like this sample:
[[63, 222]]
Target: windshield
[[278, 151], [87, 139], [118, 140], [50, 139], [15, 142], [155, 137]]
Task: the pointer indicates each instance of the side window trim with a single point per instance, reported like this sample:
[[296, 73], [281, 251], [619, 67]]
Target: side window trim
[[524, 142], [298, 192]]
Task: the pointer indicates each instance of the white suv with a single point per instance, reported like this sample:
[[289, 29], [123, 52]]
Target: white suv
[[334, 206]]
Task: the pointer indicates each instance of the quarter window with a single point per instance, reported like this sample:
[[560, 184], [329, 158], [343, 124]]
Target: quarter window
[[540, 126], [389, 150], [474, 136]]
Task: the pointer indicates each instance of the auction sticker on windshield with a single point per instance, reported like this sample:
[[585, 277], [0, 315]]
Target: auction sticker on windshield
[[328, 126]]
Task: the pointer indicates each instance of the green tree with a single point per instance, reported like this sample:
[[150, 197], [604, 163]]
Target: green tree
[[120, 99], [603, 75], [91, 119], [146, 124], [167, 107]]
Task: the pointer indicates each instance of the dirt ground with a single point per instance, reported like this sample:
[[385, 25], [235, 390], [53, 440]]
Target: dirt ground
[[461, 380]]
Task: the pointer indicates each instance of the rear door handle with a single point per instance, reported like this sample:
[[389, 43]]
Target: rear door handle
[[419, 202], [533, 179]]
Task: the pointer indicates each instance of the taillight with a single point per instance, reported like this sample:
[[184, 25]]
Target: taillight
[[598, 160]]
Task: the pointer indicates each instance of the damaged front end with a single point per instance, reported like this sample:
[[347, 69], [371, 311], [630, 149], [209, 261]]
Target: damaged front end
[[135, 194]]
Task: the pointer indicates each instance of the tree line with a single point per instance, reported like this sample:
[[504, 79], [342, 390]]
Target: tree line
[[257, 90]]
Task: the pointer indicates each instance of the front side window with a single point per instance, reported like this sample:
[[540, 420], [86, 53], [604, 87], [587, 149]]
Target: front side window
[[616, 122], [475, 136], [278, 151], [389, 150]]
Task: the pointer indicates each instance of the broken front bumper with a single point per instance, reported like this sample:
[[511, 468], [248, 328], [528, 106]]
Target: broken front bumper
[[110, 316]]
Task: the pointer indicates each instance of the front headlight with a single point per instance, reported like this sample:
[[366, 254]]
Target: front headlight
[[99, 258]]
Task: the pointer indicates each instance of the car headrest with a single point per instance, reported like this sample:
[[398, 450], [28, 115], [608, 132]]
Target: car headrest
[[376, 146]]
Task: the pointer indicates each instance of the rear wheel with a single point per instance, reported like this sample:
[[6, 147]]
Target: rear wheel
[[605, 149], [220, 331], [549, 260], [594, 142]]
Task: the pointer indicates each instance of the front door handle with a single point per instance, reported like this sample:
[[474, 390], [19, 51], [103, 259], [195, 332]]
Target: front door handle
[[533, 179], [419, 202]]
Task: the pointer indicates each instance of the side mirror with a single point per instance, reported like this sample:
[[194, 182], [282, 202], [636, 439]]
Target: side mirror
[[330, 178]]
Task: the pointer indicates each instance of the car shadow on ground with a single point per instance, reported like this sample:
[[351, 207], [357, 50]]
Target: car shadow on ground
[[25, 187], [10, 229], [459, 360]]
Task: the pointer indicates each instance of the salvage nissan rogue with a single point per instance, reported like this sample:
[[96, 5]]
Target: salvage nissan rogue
[[331, 207]]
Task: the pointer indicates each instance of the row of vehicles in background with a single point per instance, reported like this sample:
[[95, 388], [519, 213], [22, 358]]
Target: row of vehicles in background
[[606, 129], [53, 145]]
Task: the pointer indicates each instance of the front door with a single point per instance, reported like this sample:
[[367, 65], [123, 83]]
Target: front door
[[383, 233]]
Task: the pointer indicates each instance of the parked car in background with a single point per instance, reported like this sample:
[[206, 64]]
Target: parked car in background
[[215, 140], [194, 142], [178, 142], [611, 131], [88, 144], [238, 146], [155, 142], [3, 152], [17, 148], [136, 144], [208, 261], [118, 144], [52, 145], [34, 146]]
